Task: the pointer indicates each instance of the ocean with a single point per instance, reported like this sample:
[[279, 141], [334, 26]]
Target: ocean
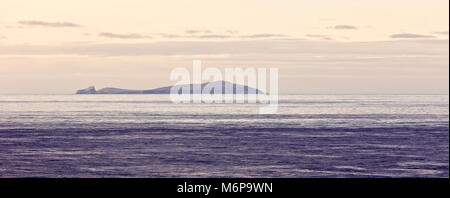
[[149, 136]]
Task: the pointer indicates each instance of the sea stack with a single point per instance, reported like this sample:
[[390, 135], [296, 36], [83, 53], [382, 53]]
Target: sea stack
[[89, 90]]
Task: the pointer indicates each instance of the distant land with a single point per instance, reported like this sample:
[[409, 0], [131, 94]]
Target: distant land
[[237, 89]]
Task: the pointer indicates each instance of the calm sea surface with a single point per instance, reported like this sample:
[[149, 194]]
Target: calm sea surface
[[148, 136]]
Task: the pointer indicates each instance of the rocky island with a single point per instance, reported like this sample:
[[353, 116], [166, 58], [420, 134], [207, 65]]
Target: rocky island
[[237, 89]]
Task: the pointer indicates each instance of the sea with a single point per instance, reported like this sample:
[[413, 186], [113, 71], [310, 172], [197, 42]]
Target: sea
[[149, 136]]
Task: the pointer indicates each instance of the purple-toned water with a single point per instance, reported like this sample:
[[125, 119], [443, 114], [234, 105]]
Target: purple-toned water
[[148, 136]]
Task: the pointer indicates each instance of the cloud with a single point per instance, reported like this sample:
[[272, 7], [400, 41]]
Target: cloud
[[324, 37], [211, 36], [165, 35], [48, 24], [264, 36], [344, 27], [408, 35], [123, 36], [443, 32], [209, 32], [246, 47], [14, 26], [191, 34], [232, 31], [198, 31]]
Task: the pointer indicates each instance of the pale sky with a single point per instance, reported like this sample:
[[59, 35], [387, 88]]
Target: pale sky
[[322, 46]]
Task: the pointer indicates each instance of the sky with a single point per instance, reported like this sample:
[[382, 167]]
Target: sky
[[322, 46]]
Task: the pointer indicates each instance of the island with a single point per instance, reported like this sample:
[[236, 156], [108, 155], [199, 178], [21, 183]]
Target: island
[[237, 89]]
